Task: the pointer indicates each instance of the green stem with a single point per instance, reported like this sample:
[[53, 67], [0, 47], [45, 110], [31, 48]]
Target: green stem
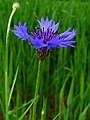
[[6, 64], [36, 91]]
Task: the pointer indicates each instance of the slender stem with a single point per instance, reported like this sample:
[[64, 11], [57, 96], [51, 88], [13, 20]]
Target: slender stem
[[36, 91], [6, 64], [12, 88]]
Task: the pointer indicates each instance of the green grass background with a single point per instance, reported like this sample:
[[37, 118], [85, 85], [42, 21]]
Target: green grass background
[[65, 74]]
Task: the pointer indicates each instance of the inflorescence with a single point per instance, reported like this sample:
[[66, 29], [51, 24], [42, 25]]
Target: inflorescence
[[45, 37]]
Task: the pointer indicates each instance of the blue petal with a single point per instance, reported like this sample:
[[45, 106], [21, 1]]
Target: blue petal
[[71, 35], [55, 43], [48, 24], [45, 23], [21, 31], [55, 27], [37, 43], [65, 44], [67, 34]]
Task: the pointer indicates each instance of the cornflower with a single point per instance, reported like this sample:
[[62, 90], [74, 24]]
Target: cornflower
[[45, 37]]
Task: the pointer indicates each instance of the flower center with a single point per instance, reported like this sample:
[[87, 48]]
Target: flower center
[[46, 35]]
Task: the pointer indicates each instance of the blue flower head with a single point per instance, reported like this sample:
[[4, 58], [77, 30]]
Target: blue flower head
[[45, 38]]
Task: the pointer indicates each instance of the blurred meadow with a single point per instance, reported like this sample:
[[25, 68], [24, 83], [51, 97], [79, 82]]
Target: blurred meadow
[[65, 75]]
